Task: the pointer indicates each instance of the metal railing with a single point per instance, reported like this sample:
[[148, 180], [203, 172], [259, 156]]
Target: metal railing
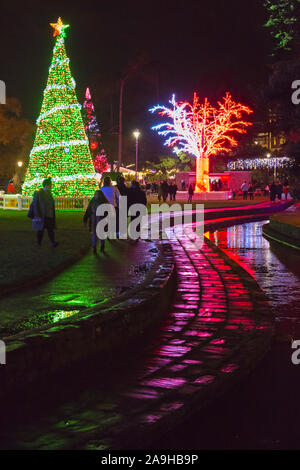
[[22, 203]]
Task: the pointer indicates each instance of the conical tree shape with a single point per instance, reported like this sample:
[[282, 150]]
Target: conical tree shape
[[94, 135], [61, 148]]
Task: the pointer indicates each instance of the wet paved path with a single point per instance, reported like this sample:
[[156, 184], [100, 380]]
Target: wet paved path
[[196, 348], [276, 269], [91, 280], [262, 411]]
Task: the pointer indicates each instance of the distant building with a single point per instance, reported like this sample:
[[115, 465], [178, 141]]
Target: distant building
[[230, 180], [267, 136]]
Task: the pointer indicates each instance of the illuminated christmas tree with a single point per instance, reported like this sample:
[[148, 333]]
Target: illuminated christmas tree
[[61, 148], [93, 132], [202, 130]]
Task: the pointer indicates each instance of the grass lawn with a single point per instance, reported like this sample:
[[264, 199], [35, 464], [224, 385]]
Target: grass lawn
[[22, 260], [289, 218]]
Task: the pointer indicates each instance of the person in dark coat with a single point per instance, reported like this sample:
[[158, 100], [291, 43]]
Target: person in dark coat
[[44, 208], [175, 189], [191, 193], [165, 190], [171, 191], [273, 191], [279, 190], [160, 192], [136, 196], [91, 217], [123, 190], [251, 192]]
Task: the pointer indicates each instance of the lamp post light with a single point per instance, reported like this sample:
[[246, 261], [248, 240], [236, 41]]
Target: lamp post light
[[20, 164], [136, 135]]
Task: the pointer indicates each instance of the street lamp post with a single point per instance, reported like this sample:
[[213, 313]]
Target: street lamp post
[[136, 135]]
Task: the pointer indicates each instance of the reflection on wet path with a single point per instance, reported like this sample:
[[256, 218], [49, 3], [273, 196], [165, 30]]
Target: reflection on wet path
[[201, 345], [92, 280], [276, 269], [262, 411]]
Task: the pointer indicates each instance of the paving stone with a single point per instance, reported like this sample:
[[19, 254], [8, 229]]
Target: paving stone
[[211, 320]]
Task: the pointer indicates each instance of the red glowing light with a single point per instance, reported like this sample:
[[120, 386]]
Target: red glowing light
[[203, 130], [214, 128]]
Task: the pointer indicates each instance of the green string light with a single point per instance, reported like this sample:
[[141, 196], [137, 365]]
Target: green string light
[[61, 147]]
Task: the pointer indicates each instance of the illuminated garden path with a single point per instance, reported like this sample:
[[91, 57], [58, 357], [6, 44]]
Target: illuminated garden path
[[210, 335], [262, 410], [91, 280], [88, 282]]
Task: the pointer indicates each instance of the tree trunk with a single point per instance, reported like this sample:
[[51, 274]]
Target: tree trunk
[[202, 175]]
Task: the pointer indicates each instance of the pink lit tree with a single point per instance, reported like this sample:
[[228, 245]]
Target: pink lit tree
[[93, 133], [202, 130]]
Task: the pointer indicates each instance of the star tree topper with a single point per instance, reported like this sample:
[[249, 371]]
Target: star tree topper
[[59, 27]]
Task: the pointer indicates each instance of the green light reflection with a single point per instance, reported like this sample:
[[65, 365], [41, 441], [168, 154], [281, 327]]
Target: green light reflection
[[62, 314]]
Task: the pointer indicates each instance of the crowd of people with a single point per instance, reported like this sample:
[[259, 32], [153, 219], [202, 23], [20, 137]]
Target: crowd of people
[[274, 190], [166, 190], [42, 208]]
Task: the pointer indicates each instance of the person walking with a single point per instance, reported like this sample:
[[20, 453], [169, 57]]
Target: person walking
[[171, 189], [273, 191], [43, 207], [91, 217], [10, 187], [175, 189], [112, 195], [165, 190], [286, 189], [267, 190], [279, 190], [244, 189], [251, 192], [160, 192], [190, 193], [122, 188], [136, 196]]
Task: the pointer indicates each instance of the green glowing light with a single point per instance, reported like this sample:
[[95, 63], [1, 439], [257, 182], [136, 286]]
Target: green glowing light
[[61, 147], [62, 314]]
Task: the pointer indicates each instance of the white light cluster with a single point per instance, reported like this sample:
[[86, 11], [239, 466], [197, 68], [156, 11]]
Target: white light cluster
[[58, 62], [58, 87], [59, 144], [179, 132], [60, 179], [254, 163], [58, 108], [58, 43]]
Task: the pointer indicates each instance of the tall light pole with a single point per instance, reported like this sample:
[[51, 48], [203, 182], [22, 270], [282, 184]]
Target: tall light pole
[[120, 123], [136, 135]]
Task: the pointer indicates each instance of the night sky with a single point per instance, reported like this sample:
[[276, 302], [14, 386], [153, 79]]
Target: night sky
[[208, 46]]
